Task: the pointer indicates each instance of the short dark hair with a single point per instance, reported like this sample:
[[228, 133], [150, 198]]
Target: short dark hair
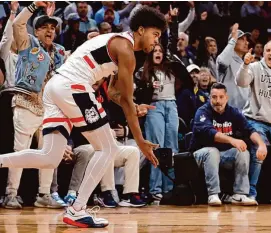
[[77, 3], [148, 17], [219, 86], [101, 24]]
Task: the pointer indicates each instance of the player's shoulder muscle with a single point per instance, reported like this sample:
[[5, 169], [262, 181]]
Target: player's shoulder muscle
[[121, 48]]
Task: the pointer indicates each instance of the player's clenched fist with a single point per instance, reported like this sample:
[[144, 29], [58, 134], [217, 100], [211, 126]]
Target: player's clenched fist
[[248, 57]]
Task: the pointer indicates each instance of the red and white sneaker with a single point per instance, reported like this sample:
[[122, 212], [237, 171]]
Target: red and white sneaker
[[84, 218]]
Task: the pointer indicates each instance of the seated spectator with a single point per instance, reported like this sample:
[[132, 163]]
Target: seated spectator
[[215, 144], [188, 101], [129, 159], [257, 76], [109, 18], [161, 125], [99, 16], [258, 51], [72, 38], [228, 63], [205, 80], [86, 24], [80, 157], [72, 8], [122, 164], [104, 28]]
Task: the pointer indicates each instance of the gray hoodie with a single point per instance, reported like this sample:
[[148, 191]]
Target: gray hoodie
[[258, 76], [228, 63]]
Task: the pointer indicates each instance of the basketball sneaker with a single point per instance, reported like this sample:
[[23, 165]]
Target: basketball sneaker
[[12, 202], [84, 218], [239, 199], [47, 201], [213, 200], [107, 200], [132, 200]]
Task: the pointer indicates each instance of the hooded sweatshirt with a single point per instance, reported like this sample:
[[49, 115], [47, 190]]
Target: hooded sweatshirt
[[228, 63], [207, 123], [258, 76]]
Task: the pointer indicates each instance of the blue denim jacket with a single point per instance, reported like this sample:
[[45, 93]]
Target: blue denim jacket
[[33, 65]]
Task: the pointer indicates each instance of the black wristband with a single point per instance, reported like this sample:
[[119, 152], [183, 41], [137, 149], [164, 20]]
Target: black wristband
[[32, 8]]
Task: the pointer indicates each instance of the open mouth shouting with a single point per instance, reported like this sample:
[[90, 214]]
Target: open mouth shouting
[[158, 59]]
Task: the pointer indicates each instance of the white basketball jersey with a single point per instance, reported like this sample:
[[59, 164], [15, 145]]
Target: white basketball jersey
[[92, 61]]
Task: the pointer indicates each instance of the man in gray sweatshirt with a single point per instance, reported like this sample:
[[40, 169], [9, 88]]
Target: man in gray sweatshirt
[[257, 75], [228, 63]]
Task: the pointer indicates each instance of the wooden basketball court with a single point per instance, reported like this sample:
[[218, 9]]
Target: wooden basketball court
[[150, 219]]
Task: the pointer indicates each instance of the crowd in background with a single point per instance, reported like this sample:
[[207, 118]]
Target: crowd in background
[[205, 43]]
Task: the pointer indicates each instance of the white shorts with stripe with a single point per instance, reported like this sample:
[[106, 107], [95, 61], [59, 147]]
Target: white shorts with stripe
[[67, 103]]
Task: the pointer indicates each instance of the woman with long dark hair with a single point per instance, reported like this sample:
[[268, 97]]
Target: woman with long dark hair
[[161, 125]]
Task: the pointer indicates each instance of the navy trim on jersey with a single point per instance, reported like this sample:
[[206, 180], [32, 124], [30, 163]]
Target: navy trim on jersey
[[59, 128], [101, 55]]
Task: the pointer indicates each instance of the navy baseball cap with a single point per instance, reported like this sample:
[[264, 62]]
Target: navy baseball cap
[[41, 20]]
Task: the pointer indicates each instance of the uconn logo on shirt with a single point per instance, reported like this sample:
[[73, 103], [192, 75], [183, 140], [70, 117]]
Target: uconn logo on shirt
[[225, 128]]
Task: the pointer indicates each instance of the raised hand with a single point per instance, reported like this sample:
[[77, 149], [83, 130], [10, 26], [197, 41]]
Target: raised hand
[[191, 4], [50, 9], [234, 31], [14, 6], [173, 12], [249, 58], [41, 4]]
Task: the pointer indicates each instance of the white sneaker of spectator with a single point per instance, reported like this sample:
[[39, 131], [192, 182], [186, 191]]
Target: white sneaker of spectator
[[238, 199], [226, 199], [213, 200]]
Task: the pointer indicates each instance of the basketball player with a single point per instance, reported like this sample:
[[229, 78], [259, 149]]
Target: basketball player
[[69, 100]]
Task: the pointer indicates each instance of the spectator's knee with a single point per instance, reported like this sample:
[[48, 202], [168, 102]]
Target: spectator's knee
[[84, 153], [134, 154], [213, 154], [243, 156]]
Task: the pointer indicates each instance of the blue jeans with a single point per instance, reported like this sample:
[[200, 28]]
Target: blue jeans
[[255, 165], [210, 158], [161, 127]]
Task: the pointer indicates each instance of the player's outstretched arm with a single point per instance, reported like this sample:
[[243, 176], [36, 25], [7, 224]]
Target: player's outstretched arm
[[122, 51]]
